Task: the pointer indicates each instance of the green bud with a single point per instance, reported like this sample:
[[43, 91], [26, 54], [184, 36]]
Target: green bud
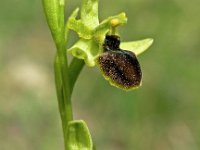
[[51, 9]]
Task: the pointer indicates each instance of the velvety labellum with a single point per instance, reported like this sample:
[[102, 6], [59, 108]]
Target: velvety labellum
[[120, 67]]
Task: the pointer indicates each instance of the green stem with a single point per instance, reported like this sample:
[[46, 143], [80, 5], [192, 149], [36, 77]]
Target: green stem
[[65, 77], [54, 10], [59, 89], [64, 65], [62, 76], [64, 101], [63, 93]]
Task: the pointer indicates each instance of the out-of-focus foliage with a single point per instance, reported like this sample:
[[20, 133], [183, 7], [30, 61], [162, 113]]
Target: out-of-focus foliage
[[162, 114]]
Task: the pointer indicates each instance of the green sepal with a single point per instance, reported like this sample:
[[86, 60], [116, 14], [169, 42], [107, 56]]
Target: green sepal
[[137, 47], [87, 50], [89, 13], [78, 26], [78, 136]]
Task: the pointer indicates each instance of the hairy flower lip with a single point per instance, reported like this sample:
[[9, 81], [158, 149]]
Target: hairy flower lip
[[120, 67]]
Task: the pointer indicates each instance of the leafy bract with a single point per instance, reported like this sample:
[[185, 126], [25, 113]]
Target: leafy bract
[[78, 136], [51, 9]]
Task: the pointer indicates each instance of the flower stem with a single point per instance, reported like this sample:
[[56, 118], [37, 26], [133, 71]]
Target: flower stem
[[65, 76], [75, 68], [62, 75], [63, 91], [64, 97]]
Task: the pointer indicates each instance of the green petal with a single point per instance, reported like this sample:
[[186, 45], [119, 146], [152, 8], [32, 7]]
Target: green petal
[[78, 136], [78, 26], [87, 50], [89, 13], [103, 28], [137, 47]]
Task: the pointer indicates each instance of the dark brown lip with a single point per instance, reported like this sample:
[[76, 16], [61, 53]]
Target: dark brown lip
[[121, 67]]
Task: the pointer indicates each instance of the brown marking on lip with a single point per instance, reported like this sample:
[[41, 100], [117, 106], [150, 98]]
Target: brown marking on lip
[[121, 67]]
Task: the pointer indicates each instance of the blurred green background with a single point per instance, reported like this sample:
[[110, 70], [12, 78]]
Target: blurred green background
[[164, 114]]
